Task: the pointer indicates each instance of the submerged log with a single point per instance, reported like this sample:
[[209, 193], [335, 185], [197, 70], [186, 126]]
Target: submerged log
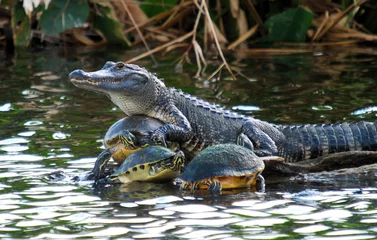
[[332, 162]]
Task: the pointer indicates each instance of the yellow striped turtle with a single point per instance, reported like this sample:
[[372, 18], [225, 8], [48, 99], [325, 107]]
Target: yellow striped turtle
[[152, 164], [124, 137], [223, 166]]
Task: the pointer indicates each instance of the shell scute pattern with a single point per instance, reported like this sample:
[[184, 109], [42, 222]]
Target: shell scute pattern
[[222, 160]]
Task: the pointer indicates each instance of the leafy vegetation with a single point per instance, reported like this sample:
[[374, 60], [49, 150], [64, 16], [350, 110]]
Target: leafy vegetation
[[61, 15], [290, 25], [194, 25]]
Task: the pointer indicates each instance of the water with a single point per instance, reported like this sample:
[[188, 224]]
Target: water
[[46, 124]]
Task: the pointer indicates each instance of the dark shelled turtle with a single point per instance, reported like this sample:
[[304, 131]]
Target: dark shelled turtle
[[223, 166], [153, 164], [124, 137]]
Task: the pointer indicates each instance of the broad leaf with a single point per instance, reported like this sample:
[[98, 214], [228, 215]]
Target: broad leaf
[[21, 26], [289, 26], [154, 7], [62, 15], [109, 25]]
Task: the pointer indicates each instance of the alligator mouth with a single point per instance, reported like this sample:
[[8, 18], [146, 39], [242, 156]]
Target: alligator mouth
[[85, 81], [93, 81], [80, 78]]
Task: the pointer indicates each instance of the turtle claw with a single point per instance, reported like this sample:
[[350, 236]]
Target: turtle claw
[[214, 187], [260, 183], [90, 176], [100, 164]]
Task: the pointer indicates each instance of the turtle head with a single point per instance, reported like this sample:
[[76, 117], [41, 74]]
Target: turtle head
[[129, 86], [128, 140], [124, 137]]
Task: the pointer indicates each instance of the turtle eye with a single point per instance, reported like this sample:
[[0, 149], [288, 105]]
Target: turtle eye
[[120, 65]]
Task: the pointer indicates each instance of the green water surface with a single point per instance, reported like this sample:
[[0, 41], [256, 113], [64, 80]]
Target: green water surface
[[46, 124]]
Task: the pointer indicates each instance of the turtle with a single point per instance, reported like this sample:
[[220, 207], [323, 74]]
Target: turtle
[[223, 166], [124, 137], [152, 164]]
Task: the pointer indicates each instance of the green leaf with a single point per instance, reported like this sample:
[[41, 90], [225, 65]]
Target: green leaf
[[154, 7], [290, 25], [21, 26], [109, 25], [62, 15]]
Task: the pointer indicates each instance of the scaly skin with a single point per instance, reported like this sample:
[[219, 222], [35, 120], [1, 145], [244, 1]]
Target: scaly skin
[[197, 124], [312, 141], [189, 120]]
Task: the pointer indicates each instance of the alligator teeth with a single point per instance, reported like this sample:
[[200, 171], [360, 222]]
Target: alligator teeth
[[89, 81]]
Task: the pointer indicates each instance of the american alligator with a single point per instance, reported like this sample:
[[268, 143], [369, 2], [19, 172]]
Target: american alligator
[[196, 123]]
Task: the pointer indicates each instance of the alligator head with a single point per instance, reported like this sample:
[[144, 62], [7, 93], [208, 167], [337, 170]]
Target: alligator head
[[132, 88]]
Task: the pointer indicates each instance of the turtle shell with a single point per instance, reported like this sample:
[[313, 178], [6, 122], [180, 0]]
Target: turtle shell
[[222, 160], [138, 125], [146, 155]]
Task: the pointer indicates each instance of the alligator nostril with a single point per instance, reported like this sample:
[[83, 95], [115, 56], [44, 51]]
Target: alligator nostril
[[77, 74]]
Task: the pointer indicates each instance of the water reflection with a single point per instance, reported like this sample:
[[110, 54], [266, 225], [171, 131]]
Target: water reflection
[[47, 125]]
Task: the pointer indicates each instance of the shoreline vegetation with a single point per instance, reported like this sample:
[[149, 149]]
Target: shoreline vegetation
[[199, 28]]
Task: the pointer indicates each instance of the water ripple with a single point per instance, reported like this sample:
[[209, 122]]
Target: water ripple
[[13, 140], [191, 208], [263, 222], [311, 229], [159, 200], [5, 107], [326, 215]]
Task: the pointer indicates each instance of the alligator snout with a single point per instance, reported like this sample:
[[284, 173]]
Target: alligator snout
[[78, 75]]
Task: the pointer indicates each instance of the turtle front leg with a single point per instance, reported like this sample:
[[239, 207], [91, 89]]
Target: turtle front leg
[[260, 183], [214, 186], [179, 162], [99, 166]]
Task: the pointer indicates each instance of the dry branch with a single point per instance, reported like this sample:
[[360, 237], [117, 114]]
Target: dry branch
[[160, 48], [216, 40], [244, 37], [339, 17], [138, 30]]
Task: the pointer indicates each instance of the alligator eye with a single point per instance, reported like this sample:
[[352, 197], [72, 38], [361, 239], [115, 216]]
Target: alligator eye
[[120, 65]]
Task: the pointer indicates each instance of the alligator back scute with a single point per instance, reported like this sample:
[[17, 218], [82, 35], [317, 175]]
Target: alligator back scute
[[311, 141]]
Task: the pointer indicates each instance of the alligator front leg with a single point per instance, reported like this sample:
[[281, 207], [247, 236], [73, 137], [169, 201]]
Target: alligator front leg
[[262, 142], [176, 129], [244, 141], [171, 133]]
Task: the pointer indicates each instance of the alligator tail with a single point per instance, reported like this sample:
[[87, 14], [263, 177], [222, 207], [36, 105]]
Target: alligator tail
[[311, 141]]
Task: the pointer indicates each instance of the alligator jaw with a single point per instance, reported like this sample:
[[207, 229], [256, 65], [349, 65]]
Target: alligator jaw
[[94, 81]]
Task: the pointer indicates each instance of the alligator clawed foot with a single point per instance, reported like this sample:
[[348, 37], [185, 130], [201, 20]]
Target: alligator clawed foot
[[158, 139]]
